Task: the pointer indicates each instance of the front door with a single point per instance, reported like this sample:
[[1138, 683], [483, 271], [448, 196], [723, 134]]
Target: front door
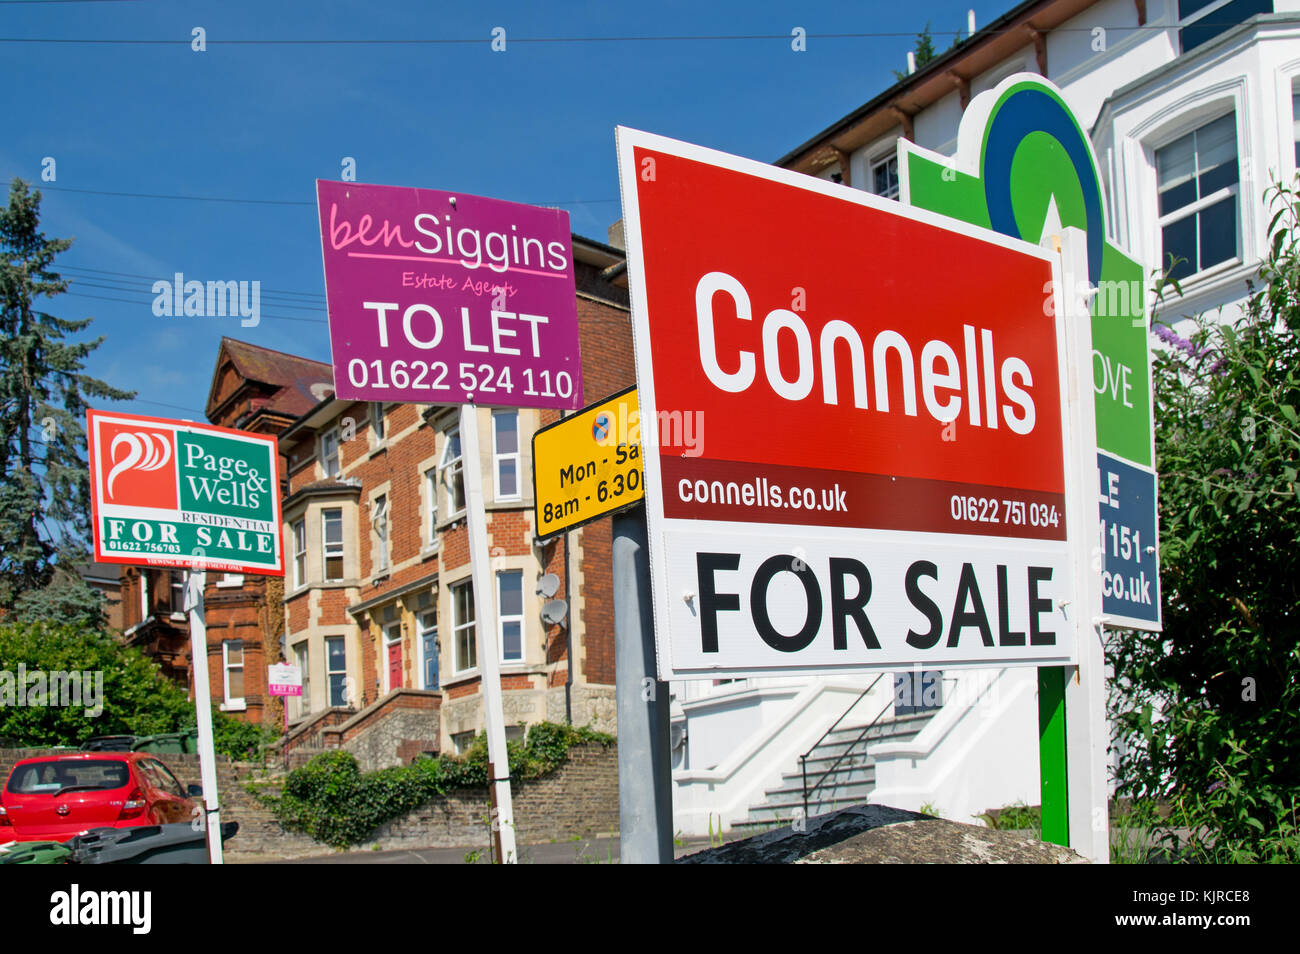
[[394, 658], [431, 661], [395, 664]]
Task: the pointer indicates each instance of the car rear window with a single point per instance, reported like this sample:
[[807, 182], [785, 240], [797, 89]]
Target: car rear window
[[53, 775]]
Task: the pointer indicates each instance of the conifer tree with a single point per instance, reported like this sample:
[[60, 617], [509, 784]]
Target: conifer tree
[[44, 485]]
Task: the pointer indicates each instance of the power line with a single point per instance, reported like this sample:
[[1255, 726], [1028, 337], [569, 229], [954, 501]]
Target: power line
[[185, 198], [441, 41], [136, 301], [240, 200], [77, 282], [153, 278], [631, 38], [175, 407]]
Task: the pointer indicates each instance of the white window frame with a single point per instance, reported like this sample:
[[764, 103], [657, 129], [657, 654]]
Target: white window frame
[[337, 455], [423, 631], [883, 159], [231, 703], [176, 579], [449, 468], [1293, 87], [381, 523], [329, 702], [325, 551], [458, 625], [1194, 208], [302, 659], [392, 636], [144, 595], [377, 425], [431, 490], [298, 532], [498, 458], [230, 581], [502, 618]]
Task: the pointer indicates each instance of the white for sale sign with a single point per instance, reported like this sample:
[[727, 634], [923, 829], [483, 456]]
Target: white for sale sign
[[859, 457]]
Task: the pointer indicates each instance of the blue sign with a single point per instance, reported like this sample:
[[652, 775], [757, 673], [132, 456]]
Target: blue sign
[[1130, 568]]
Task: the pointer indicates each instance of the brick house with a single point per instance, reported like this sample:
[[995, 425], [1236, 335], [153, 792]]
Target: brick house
[[379, 608], [154, 619], [263, 391]]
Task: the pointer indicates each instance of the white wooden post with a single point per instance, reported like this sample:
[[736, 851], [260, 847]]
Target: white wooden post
[[203, 711], [1086, 733], [485, 612]]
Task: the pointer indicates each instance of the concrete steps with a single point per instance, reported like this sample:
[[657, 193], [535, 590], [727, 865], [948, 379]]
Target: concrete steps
[[840, 768]]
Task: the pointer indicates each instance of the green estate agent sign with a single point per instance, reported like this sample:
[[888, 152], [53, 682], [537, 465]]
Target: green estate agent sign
[[1021, 153], [173, 493], [1024, 167]]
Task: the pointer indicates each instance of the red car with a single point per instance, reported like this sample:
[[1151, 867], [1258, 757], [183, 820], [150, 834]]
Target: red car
[[54, 797]]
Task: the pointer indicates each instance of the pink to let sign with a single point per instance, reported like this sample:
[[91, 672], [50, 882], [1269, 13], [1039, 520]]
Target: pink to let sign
[[445, 298], [283, 679]]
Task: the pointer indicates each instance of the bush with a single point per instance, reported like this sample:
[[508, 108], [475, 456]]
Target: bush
[[137, 698], [331, 800], [1209, 709], [238, 739]]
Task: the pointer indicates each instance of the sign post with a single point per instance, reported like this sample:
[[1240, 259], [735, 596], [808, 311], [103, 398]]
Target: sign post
[[177, 494], [445, 298], [645, 798], [485, 610], [284, 680], [194, 580]]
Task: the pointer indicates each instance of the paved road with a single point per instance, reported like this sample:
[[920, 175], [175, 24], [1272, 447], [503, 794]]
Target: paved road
[[587, 851]]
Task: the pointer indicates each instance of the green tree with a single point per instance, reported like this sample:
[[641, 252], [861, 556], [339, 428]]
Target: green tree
[[135, 697], [1209, 709], [66, 600], [923, 52], [44, 486]]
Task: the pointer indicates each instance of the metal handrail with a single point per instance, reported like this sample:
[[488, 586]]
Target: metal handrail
[[803, 759], [844, 715]]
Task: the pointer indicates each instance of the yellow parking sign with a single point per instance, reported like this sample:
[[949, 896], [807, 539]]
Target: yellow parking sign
[[588, 465]]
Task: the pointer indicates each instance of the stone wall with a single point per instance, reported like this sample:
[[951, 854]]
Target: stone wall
[[397, 739], [580, 798]]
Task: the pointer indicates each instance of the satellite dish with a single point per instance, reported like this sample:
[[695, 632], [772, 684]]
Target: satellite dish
[[554, 611], [548, 585], [678, 736]]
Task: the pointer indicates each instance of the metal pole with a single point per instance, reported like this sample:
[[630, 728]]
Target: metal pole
[[489, 663], [568, 637], [203, 711], [645, 794]]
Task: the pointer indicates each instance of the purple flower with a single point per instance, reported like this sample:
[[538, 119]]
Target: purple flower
[[1215, 787], [1166, 334]]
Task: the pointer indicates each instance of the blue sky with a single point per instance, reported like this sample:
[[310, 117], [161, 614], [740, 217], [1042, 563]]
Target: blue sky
[[264, 121]]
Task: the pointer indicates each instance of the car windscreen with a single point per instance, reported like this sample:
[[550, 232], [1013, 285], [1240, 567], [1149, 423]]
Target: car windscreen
[[54, 775]]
